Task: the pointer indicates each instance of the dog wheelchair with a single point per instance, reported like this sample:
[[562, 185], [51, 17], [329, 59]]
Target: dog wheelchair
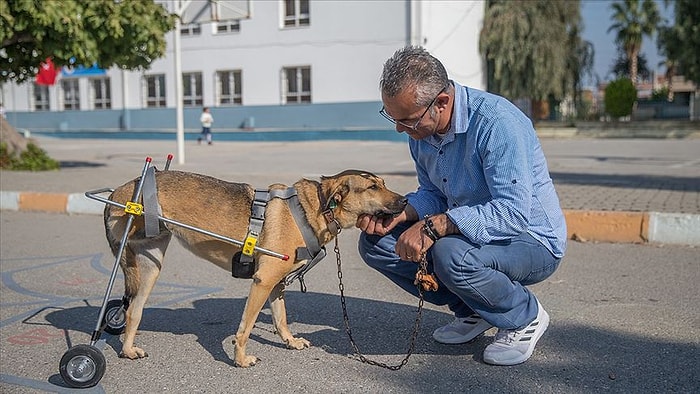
[[84, 365]]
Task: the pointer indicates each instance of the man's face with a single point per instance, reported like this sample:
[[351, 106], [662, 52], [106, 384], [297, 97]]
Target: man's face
[[417, 122]]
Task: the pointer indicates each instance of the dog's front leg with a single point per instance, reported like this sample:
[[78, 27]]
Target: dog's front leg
[[279, 318], [259, 291]]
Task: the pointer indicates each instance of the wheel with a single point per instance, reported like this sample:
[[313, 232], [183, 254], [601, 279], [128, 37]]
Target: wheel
[[115, 317], [82, 366]]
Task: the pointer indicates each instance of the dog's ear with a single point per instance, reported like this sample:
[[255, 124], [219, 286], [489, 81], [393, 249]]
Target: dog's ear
[[337, 196]]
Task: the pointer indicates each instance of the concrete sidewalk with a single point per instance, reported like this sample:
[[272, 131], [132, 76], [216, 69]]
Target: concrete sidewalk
[[612, 190]]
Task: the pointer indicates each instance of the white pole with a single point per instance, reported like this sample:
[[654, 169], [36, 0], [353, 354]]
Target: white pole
[[126, 122], [179, 116]]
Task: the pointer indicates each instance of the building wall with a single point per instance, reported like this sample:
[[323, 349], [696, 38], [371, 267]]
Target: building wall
[[345, 45]]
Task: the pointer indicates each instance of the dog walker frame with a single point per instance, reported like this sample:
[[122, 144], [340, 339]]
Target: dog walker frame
[[83, 366]]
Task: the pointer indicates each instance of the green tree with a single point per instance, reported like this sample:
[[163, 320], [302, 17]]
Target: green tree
[[580, 65], [129, 34], [680, 43], [620, 96], [632, 20], [522, 44], [621, 67]]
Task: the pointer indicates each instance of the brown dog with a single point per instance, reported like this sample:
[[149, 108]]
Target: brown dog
[[224, 208]]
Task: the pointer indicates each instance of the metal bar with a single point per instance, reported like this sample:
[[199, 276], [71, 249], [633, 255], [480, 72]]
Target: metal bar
[[187, 226], [167, 163], [137, 192]]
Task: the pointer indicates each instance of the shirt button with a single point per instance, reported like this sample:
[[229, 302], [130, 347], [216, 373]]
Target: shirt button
[[444, 180], [440, 152], [454, 204]]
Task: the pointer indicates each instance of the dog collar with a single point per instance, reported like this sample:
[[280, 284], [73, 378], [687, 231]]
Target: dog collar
[[328, 207]]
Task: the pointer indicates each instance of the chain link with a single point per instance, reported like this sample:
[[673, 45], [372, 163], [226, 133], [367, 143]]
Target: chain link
[[346, 319]]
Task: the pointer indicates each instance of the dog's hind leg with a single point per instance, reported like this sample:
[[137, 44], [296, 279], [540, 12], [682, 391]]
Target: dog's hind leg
[[279, 318], [142, 268]]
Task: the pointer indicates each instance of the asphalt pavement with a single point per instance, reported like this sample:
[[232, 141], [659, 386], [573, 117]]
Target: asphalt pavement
[[624, 319], [625, 314], [612, 190]]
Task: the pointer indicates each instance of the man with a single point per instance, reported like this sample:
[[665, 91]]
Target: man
[[206, 119], [485, 213]]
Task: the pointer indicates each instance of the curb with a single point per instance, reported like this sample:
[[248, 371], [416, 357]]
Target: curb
[[584, 226], [70, 203]]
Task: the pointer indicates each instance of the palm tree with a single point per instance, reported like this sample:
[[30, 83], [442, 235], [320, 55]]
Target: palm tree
[[634, 19]]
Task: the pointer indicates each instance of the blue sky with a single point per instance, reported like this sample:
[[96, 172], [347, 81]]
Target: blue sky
[[597, 20]]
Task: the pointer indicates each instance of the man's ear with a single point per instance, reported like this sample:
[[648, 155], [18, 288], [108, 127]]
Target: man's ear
[[443, 101]]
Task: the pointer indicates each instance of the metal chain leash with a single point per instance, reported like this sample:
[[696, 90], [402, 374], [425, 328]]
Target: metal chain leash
[[346, 319]]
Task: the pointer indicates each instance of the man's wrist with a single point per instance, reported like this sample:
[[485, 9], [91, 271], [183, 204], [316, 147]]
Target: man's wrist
[[429, 229], [442, 225]]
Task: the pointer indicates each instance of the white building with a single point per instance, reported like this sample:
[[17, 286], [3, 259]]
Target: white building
[[299, 64]]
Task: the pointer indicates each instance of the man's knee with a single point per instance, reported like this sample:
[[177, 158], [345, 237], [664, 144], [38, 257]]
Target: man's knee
[[452, 259]]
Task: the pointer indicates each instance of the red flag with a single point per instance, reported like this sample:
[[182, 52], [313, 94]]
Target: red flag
[[47, 73]]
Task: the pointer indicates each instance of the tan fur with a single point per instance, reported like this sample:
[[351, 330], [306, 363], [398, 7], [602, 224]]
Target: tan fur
[[224, 208]]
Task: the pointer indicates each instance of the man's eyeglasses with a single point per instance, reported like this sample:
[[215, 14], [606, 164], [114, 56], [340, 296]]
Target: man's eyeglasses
[[415, 125]]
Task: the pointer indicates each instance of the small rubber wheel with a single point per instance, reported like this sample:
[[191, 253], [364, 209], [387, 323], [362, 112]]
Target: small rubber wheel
[[82, 366], [115, 318]]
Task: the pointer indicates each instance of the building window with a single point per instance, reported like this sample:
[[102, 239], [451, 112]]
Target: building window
[[101, 93], [155, 90], [229, 87], [41, 98], [297, 85], [296, 13], [192, 89], [71, 94], [232, 26], [191, 29]]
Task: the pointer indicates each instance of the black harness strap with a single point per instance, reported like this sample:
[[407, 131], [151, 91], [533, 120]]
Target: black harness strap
[[313, 251]]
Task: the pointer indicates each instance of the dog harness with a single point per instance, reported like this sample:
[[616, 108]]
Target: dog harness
[[150, 203], [313, 251]]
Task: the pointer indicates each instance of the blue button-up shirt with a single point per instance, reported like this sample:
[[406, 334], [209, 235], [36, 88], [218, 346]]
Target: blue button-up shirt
[[489, 174]]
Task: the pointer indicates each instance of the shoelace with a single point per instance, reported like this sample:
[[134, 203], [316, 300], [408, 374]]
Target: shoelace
[[509, 336], [505, 336]]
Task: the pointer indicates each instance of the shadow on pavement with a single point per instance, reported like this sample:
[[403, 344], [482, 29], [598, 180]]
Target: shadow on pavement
[[571, 357], [378, 327], [688, 184], [80, 164]]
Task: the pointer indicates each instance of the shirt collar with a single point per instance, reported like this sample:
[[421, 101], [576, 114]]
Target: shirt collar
[[459, 121]]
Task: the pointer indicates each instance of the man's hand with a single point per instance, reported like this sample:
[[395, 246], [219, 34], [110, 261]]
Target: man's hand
[[412, 243], [375, 225]]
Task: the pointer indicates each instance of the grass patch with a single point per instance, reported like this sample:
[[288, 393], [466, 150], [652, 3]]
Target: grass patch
[[32, 159]]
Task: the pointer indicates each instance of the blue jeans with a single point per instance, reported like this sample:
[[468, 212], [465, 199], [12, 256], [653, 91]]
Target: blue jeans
[[487, 279]]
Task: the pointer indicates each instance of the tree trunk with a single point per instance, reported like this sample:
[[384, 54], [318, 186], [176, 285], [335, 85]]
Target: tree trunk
[[16, 143], [633, 67]]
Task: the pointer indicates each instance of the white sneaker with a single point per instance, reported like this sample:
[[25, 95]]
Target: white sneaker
[[512, 347], [461, 330]]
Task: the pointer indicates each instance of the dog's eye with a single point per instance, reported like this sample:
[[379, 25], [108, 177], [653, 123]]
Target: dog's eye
[[373, 187]]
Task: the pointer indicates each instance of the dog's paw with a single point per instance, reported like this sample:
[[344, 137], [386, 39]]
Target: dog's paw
[[298, 343], [133, 353], [248, 361]]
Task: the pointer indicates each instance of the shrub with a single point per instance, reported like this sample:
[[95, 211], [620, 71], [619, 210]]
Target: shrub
[[620, 96], [32, 159]]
